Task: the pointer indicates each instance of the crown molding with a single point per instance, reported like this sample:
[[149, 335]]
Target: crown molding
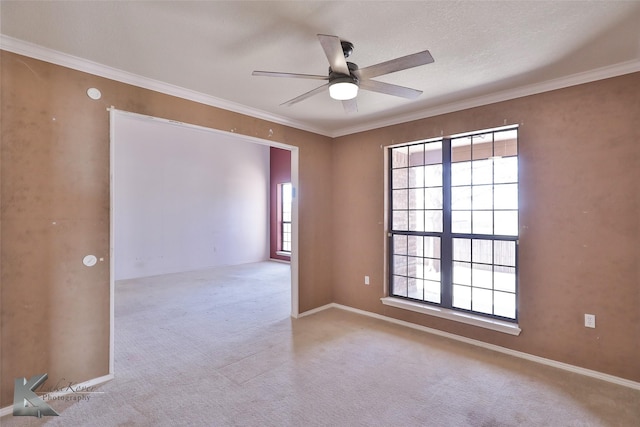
[[55, 57], [505, 95], [35, 51]]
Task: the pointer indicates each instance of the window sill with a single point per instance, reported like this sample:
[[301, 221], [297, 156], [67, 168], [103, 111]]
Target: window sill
[[445, 313]]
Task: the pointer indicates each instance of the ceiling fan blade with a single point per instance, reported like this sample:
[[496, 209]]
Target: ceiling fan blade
[[389, 89], [398, 64], [305, 95], [333, 49], [278, 74], [350, 106]]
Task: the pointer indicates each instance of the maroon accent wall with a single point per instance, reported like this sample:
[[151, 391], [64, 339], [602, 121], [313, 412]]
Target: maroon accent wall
[[280, 162]]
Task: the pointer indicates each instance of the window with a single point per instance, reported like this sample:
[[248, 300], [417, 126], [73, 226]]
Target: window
[[454, 222], [285, 217]]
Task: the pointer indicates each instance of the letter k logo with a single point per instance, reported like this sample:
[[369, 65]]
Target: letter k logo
[[26, 402]]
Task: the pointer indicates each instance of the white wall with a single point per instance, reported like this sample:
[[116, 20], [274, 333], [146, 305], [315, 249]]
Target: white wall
[[185, 198]]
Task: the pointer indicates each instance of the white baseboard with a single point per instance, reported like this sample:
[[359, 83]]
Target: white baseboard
[[8, 410], [553, 363], [319, 309], [284, 261]]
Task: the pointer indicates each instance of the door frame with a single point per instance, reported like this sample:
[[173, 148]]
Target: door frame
[[113, 115]]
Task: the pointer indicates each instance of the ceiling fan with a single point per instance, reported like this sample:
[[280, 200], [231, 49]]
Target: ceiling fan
[[345, 78]]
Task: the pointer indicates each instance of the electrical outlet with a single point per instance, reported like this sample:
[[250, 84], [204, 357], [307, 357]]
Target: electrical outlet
[[590, 320], [366, 280]]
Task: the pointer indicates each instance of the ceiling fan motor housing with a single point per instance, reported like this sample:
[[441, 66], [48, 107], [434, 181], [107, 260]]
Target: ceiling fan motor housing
[[347, 48], [352, 77]]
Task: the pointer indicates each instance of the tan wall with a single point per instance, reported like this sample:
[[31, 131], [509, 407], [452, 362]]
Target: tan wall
[[54, 173], [580, 221]]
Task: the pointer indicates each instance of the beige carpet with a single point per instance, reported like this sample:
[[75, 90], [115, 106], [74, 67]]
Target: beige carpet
[[218, 348]]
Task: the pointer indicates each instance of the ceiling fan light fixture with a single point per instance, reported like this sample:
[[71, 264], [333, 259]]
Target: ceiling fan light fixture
[[343, 89], [345, 78]]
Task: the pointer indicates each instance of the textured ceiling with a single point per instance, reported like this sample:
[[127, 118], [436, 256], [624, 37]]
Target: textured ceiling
[[480, 48]]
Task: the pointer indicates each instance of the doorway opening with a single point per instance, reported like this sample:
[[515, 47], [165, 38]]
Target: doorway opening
[[167, 233]]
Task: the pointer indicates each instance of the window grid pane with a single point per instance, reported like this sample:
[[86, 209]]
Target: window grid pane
[[416, 267], [416, 185], [489, 265]]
